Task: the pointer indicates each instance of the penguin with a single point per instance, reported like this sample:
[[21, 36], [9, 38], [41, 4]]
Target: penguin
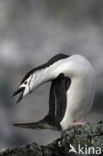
[[71, 94]]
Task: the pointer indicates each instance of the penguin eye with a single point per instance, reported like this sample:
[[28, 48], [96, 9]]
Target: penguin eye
[[25, 82]]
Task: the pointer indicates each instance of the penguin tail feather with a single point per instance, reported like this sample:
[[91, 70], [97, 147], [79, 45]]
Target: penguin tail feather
[[42, 124]]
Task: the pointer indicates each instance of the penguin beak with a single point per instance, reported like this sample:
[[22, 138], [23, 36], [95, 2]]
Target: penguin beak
[[20, 90]]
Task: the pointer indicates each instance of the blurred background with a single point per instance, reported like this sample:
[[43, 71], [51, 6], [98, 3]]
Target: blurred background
[[31, 32]]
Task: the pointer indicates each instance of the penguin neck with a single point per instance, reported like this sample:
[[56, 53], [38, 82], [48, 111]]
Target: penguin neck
[[49, 73], [43, 75]]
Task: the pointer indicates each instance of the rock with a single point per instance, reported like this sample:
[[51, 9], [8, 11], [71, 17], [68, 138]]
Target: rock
[[88, 139]]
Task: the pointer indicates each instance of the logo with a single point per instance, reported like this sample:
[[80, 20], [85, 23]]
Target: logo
[[85, 149], [72, 149]]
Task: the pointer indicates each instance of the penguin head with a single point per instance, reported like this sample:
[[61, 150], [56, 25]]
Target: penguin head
[[24, 88]]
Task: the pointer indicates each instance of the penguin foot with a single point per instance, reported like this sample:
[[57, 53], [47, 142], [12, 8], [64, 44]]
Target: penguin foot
[[79, 123]]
